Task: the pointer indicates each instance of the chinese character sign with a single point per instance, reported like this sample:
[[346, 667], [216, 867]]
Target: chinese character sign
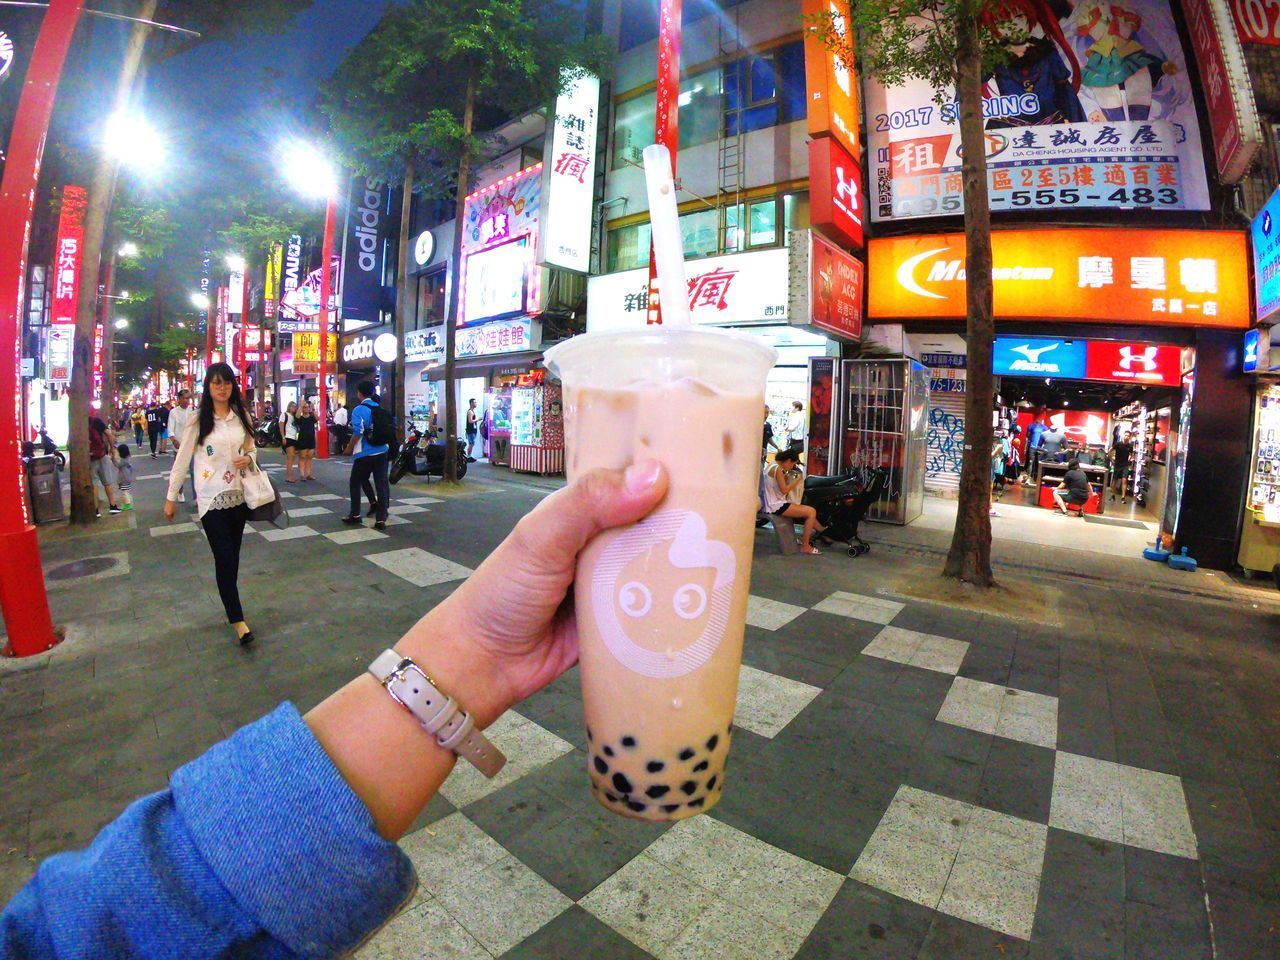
[[502, 336], [67, 256], [830, 82], [1266, 257], [570, 177], [1091, 109], [1233, 116], [1099, 275], [834, 283], [503, 211], [1257, 21]]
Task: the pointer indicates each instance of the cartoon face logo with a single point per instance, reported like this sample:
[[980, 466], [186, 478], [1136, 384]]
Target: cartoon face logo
[[661, 594]]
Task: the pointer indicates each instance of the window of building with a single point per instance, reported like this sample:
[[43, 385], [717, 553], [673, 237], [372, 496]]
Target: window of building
[[700, 113], [431, 306], [765, 89], [640, 18]]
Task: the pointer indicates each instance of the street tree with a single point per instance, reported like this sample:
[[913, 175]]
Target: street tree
[[466, 59], [210, 20], [951, 45]]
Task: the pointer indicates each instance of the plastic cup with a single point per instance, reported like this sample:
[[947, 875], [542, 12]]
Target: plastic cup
[[661, 604]]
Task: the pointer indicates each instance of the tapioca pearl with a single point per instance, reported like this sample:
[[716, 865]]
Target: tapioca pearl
[[629, 742], [670, 807], [601, 767], [636, 807], [715, 739], [686, 754], [621, 783], [697, 803], [655, 766], [610, 797], [701, 766], [657, 790], [688, 787], [711, 784], [589, 736], [608, 750]]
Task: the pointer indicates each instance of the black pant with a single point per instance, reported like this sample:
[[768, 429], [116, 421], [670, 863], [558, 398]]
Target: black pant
[[154, 437], [224, 530], [362, 468]]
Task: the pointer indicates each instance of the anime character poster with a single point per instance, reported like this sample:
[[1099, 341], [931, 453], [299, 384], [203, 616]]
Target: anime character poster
[[1091, 108]]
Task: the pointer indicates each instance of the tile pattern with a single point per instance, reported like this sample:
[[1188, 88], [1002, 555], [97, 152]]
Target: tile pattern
[[527, 746], [419, 567], [940, 654], [768, 702], [858, 607], [771, 614], [1002, 711]]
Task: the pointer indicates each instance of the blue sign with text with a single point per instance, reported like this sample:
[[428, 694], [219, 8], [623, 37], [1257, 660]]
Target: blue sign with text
[[1251, 350], [1266, 257], [1039, 357]]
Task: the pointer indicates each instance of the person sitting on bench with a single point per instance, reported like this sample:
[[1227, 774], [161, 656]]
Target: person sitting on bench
[[781, 478], [1076, 484]]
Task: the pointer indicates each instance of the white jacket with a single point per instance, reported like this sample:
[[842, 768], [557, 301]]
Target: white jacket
[[217, 480]]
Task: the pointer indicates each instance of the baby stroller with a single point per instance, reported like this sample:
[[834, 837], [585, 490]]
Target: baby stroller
[[842, 503]]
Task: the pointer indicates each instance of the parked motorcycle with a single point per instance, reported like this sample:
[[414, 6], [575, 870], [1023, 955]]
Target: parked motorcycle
[[421, 458], [268, 433]]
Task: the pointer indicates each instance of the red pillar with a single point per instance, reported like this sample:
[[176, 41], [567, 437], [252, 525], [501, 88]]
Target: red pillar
[[667, 115], [22, 594], [326, 291], [244, 332], [191, 362]]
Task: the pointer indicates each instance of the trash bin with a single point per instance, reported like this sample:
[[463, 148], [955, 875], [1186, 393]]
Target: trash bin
[[44, 490]]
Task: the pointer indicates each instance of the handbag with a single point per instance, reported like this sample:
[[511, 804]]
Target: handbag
[[262, 497]]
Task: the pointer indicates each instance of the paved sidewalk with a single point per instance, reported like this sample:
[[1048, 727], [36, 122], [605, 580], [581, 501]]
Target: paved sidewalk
[[906, 779]]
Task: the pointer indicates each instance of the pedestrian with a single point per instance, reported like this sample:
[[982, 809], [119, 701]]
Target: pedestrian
[[218, 439], [768, 438], [166, 408], [369, 448], [124, 472], [1121, 457], [180, 417], [281, 841], [795, 426], [305, 424], [101, 467], [783, 490], [289, 439], [341, 426], [139, 424], [156, 416], [473, 427]]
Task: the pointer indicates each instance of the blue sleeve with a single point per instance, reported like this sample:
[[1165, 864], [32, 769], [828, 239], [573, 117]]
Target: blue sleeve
[[360, 419], [258, 849]]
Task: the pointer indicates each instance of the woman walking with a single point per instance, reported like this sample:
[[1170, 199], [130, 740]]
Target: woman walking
[[289, 439], [305, 423], [219, 438]]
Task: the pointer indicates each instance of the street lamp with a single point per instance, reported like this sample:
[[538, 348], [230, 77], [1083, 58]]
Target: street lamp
[[312, 174], [121, 323], [134, 142], [200, 301], [128, 250]]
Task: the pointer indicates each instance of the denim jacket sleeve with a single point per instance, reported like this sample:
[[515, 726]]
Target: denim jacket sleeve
[[259, 848]]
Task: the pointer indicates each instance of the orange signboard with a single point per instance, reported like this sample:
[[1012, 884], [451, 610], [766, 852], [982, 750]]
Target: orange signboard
[[1095, 275], [830, 79]]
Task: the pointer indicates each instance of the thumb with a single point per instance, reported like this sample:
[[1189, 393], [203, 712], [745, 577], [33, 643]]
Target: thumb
[[555, 532]]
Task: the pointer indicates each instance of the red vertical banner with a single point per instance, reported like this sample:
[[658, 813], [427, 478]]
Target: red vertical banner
[[67, 255], [220, 323], [98, 334], [667, 114]]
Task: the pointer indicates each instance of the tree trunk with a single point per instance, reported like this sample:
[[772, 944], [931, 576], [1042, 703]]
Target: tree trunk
[[109, 339], [969, 558], [101, 190], [403, 303], [455, 288]]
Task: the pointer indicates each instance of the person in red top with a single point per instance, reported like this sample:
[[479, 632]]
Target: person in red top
[[101, 466]]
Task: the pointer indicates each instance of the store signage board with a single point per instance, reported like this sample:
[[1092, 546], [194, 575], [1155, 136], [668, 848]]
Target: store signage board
[[1253, 349], [1039, 357], [830, 81], [1224, 78], [59, 353], [826, 287], [504, 210], [835, 192], [67, 256], [1171, 277], [1148, 364], [362, 250], [569, 177], [6, 54], [271, 282], [235, 297], [1257, 21], [495, 281], [424, 346], [1265, 233], [734, 290], [953, 361], [363, 347], [501, 336], [1062, 145], [424, 248]]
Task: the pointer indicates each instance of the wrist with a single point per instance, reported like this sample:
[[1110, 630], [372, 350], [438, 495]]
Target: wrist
[[459, 668]]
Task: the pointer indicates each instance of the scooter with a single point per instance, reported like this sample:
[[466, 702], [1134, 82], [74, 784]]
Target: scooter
[[267, 434], [421, 458]]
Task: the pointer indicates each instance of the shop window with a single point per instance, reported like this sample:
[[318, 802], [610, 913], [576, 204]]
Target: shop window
[[762, 223], [700, 111], [628, 247], [431, 305], [698, 231]]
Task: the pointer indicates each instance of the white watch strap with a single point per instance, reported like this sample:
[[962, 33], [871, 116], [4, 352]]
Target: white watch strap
[[439, 715]]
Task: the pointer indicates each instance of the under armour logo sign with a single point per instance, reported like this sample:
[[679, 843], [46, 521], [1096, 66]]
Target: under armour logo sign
[[846, 189], [1144, 359]]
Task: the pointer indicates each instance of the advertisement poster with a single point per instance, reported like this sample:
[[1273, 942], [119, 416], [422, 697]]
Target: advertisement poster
[[362, 251], [1093, 109], [818, 434], [1266, 257], [66, 273], [836, 288]]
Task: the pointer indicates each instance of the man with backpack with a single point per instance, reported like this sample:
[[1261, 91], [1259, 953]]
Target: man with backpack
[[373, 432]]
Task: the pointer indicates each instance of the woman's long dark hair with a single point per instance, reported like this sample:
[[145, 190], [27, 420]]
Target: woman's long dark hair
[[221, 371]]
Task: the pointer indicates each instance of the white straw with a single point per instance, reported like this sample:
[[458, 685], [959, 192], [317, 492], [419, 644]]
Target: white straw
[[668, 247]]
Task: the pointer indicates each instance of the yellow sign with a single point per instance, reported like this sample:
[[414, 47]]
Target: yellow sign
[[829, 75], [271, 292], [306, 347]]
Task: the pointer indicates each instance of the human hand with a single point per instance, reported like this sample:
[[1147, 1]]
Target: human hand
[[170, 510], [241, 462], [509, 630]]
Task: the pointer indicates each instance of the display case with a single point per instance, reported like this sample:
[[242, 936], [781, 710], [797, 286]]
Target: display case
[[537, 429], [498, 415], [1260, 535]]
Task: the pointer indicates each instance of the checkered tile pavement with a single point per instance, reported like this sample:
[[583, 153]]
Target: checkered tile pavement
[[801, 851]]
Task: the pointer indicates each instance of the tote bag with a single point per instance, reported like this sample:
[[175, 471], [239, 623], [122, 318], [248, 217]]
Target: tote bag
[[262, 498]]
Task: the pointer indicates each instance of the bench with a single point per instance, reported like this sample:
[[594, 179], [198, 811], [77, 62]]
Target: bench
[[784, 529]]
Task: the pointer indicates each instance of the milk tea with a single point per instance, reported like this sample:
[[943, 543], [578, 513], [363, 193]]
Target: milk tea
[[661, 605]]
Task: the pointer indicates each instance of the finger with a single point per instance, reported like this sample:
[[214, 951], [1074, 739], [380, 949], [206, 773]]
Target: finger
[[555, 532]]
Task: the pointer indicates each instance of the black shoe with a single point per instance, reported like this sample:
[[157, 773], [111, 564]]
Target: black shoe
[[380, 525], [372, 510], [246, 638], [114, 510], [353, 521]]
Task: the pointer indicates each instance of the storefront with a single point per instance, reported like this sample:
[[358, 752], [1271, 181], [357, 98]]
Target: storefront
[[1107, 333], [369, 354], [423, 353], [1260, 530]]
